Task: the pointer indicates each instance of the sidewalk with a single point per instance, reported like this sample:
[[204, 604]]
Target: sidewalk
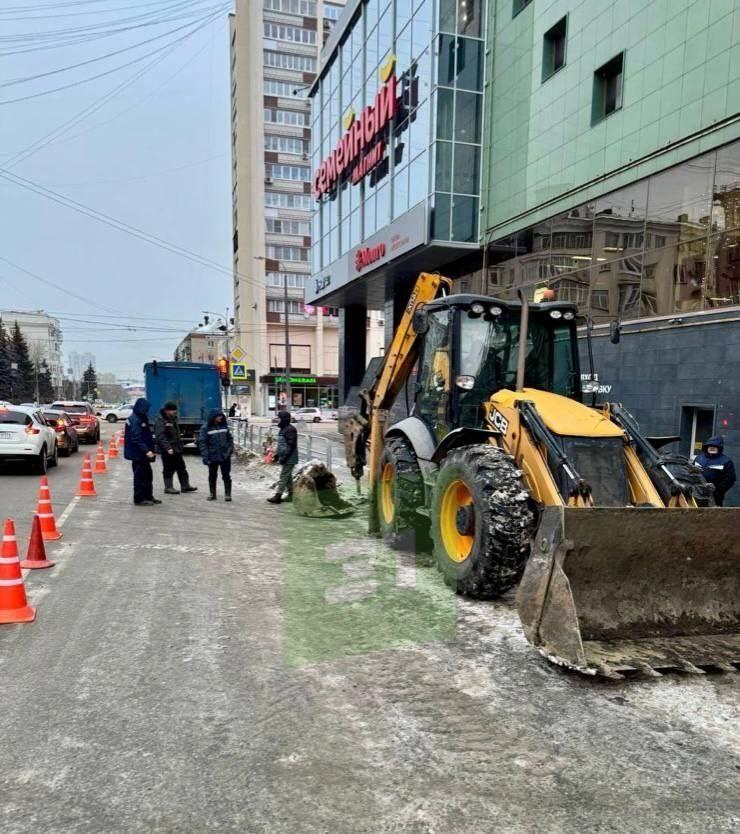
[[205, 666]]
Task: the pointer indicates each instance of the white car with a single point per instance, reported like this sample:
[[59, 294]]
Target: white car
[[116, 413], [25, 435], [308, 415]]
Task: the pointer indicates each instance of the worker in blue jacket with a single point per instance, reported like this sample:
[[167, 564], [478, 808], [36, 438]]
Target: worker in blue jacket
[[216, 448], [717, 467], [138, 447]]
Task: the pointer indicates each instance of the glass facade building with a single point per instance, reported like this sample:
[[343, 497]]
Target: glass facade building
[[664, 245], [431, 150]]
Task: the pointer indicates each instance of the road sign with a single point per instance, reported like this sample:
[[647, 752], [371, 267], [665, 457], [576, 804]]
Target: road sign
[[238, 372], [237, 354]]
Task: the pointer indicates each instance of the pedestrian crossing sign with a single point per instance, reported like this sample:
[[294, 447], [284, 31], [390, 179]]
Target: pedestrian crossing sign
[[238, 371]]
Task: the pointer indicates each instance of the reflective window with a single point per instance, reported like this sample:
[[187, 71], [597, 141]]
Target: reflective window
[[443, 166], [441, 216], [466, 168], [468, 108], [464, 218]]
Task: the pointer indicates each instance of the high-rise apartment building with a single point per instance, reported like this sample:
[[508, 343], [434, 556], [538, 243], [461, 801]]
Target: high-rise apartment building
[[275, 46]]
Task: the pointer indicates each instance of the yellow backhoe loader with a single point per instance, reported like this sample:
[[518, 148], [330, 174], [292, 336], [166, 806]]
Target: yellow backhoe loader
[[625, 563]]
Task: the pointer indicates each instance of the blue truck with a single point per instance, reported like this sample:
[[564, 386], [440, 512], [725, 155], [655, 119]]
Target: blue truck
[[194, 386]]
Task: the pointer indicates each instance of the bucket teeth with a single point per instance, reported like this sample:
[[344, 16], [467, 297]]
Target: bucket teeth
[[646, 669], [724, 667]]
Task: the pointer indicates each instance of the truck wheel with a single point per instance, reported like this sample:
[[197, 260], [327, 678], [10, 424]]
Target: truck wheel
[[482, 521], [399, 491], [685, 472]]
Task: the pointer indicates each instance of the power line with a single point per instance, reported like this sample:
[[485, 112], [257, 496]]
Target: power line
[[60, 130], [113, 222], [77, 83]]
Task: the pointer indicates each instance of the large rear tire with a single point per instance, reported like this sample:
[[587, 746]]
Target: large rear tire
[[399, 492], [482, 521]]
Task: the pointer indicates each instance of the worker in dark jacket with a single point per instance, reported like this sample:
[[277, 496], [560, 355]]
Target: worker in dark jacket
[[717, 467], [216, 447], [138, 447], [171, 447], [287, 456]]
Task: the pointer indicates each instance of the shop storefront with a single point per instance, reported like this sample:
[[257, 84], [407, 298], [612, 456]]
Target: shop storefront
[[397, 114], [306, 391]]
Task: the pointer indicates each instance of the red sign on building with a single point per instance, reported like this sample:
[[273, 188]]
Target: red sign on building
[[356, 148], [366, 255]]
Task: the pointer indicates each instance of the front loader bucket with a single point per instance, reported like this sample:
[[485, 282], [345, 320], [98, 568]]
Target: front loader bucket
[[610, 590]]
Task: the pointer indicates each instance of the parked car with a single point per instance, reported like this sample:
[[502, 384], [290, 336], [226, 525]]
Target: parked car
[[25, 435], [83, 417], [68, 441], [116, 412]]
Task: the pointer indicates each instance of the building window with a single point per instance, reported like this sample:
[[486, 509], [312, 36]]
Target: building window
[[296, 280], [287, 227], [286, 60], [285, 144], [284, 88], [289, 33], [286, 117], [287, 253], [277, 305], [280, 200], [519, 5], [607, 96], [553, 48], [332, 12], [305, 8], [288, 172]]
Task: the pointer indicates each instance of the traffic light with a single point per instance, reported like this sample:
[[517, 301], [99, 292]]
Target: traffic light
[[222, 365]]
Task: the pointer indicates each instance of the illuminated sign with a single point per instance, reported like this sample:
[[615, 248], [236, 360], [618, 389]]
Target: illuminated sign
[[358, 148], [298, 380], [366, 255]]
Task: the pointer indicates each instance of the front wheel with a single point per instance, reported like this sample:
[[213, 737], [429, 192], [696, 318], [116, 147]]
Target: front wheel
[[54, 460], [482, 521], [399, 493], [317, 419], [111, 418]]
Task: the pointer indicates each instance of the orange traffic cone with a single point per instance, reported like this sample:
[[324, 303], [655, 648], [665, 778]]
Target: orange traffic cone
[[14, 607], [120, 438], [100, 467], [36, 554], [46, 513], [87, 485], [112, 449]]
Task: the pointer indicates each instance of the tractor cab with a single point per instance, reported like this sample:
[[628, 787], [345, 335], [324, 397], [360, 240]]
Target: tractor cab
[[470, 350]]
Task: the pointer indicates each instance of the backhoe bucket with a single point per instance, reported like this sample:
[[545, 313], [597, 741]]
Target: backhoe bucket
[[611, 590]]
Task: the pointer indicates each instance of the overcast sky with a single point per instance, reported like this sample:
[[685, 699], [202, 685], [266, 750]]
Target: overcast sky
[[155, 155]]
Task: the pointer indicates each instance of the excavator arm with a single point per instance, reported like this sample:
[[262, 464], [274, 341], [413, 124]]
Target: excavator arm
[[367, 428]]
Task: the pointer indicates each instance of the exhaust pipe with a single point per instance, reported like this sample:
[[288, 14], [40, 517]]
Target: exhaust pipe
[[523, 327]]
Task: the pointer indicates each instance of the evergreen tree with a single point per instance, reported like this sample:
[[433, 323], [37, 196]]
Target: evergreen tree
[[5, 390], [89, 383], [46, 387], [23, 378]]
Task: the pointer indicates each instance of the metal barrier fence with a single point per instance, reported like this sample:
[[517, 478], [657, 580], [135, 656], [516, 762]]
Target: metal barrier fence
[[310, 446]]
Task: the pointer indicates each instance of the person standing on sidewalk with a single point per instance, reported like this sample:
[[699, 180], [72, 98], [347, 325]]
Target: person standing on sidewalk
[[287, 456], [138, 447], [216, 447], [171, 447]]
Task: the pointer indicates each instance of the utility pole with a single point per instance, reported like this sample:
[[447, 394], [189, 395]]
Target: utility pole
[[288, 391]]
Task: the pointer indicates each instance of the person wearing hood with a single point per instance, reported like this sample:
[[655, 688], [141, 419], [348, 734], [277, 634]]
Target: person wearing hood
[[171, 447], [138, 447], [287, 456], [717, 467], [216, 447]]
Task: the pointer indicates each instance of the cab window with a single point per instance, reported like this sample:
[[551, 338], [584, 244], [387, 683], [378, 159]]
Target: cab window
[[433, 382]]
